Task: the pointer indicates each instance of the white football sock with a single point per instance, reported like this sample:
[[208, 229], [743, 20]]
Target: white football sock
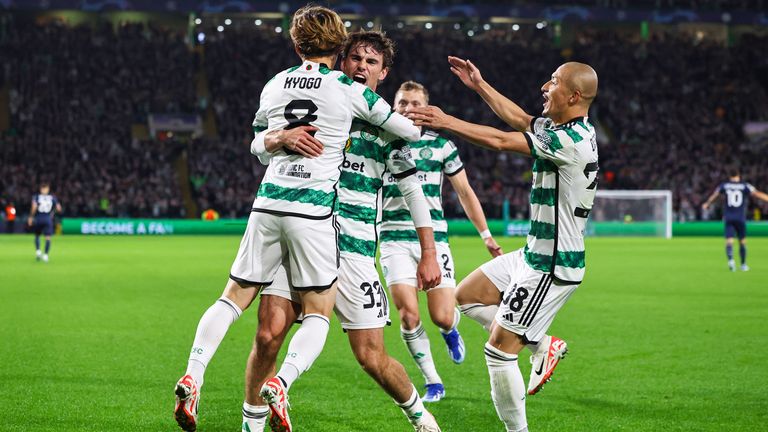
[[541, 347], [211, 330], [413, 408], [255, 417], [507, 388], [418, 345], [305, 346], [484, 314], [456, 319]]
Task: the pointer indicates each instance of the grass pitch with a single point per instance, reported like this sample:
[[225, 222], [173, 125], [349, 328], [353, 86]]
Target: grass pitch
[[661, 337]]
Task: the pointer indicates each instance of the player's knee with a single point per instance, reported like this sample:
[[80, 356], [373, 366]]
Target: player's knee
[[443, 318], [268, 341], [372, 361], [409, 319]]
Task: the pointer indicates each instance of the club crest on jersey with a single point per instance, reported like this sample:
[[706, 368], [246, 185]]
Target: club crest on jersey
[[369, 133], [425, 153], [348, 145]]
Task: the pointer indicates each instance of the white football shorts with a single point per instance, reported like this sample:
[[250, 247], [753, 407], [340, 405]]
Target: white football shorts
[[530, 298], [280, 287], [399, 261], [309, 245], [361, 301]]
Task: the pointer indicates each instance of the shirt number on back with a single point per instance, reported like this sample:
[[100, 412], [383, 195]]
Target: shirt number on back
[[734, 198]]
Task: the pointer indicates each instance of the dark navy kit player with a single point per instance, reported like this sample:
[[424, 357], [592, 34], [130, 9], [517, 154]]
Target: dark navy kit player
[[737, 193], [44, 206]]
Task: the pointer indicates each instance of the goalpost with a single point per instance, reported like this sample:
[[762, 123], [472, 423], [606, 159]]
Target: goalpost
[[631, 213]]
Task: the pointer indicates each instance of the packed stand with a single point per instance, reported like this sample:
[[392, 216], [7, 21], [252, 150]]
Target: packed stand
[[74, 95]]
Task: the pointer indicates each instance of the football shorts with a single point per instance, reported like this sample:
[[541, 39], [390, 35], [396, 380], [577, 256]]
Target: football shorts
[[530, 298], [399, 261], [361, 300], [308, 245]]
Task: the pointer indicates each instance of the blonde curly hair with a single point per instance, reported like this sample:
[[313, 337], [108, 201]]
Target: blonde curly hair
[[317, 31]]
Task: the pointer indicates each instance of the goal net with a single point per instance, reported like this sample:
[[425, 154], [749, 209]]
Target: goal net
[[631, 213]]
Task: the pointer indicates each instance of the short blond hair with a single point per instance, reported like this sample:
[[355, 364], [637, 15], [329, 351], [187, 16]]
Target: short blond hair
[[413, 85], [317, 31]]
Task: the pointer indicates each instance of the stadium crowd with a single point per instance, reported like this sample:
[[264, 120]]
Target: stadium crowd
[[670, 111]]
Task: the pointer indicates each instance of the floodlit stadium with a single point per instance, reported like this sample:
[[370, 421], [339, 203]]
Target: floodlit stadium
[[248, 215]]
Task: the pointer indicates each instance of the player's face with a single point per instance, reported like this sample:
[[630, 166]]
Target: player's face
[[44, 190], [406, 100], [556, 95], [365, 65]]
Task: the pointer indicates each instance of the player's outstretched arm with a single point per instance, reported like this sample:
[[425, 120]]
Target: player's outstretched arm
[[483, 136], [710, 200], [505, 109], [760, 195], [474, 210]]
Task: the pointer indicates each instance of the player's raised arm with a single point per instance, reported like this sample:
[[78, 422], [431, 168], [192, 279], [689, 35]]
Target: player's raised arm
[[483, 136], [504, 108], [759, 195]]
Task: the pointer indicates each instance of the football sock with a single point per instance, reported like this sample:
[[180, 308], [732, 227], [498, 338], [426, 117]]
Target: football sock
[[535, 347], [484, 314], [37, 242], [743, 254], [305, 346], [413, 408], [254, 417], [729, 252], [507, 388], [418, 345], [211, 330], [456, 319], [47, 246]]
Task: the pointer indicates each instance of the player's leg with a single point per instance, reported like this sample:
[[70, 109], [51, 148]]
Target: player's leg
[[741, 233], [277, 312], [730, 233], [257, 259], [369, 350], [507, 386], [415, 337], [441, 302], [363, 310], [479, 297], [399, 261], [38, 231], [313, 273], [47, 247]]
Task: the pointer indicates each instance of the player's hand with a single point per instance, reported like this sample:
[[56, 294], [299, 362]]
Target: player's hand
[[428, 272], [493, 247], [466, 71], [705, 206], [430, 116], [301, 141], [29, 221]]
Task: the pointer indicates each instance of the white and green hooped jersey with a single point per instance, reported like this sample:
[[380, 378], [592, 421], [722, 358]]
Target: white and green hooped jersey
[[369, 153], [434, 156], [314, 94], [564, 185]]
